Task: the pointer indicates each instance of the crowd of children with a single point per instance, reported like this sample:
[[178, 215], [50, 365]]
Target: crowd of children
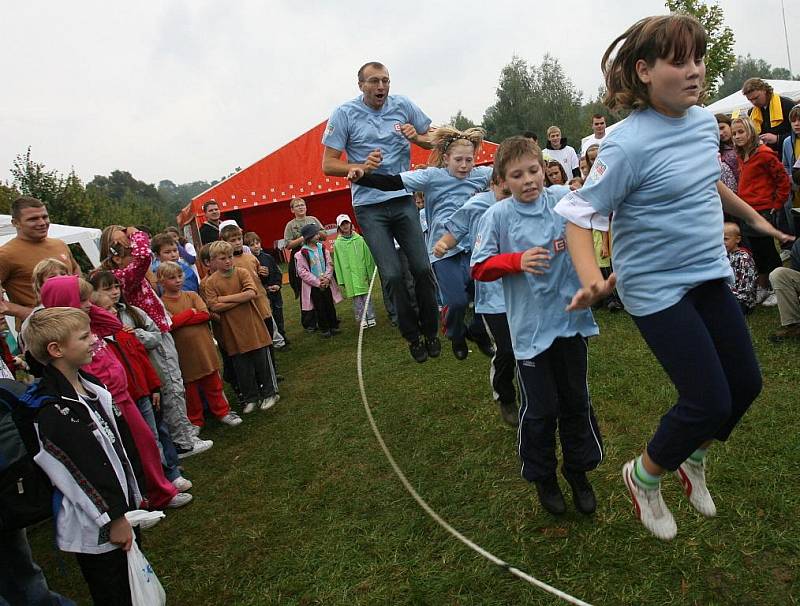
[[131, 359]]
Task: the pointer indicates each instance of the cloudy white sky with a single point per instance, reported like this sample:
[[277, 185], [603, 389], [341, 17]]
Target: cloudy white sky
[[187, 90]]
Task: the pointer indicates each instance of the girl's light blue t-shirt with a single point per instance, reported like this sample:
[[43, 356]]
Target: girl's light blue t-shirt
[[444, 194], [535, 304], [463, 224], [658, 176]]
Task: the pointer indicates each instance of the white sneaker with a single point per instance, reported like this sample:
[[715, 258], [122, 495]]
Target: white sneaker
[[364, 324], [249, 407], [199, 446], [182, 484], [179, 500], [693, 479], [371, 323], [770, 301], [650, 507], [231, 419], [269, 402], [761, 295]]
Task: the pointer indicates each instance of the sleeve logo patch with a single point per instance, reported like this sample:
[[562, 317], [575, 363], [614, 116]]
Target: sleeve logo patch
[[330, 129], [598, 170], [559, 245]]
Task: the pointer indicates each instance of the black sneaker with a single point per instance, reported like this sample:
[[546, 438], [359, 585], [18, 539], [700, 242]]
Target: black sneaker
[[418, 350], [484, 343], [460, 350], [550, 496], [509, 413], [434, 347], [326, 334], [582, 492]]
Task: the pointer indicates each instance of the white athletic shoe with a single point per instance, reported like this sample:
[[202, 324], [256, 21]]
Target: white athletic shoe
[[770, 301], [231, 419], [179, 500], [761, 295], [693, 479], [269, 402], [182, 484], [249, 407], [364, 324], [371, 323], [650, 507]]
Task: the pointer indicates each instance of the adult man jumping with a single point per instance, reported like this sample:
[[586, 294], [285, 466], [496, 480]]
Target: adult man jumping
[[375, 130]]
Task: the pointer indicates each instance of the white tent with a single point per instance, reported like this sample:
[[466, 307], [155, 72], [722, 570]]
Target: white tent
[[86, 237], [737, 101]]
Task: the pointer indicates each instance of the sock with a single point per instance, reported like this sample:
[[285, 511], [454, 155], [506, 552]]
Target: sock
[[698, 456], [643, 478]]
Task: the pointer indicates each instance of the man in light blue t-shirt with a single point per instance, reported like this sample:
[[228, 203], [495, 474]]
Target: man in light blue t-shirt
[[376, 130]]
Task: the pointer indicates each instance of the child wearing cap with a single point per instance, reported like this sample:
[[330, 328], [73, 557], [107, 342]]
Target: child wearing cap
[[354, 266], [319, 290]]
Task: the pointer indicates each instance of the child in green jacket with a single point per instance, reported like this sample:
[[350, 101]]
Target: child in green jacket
[[354, 265]]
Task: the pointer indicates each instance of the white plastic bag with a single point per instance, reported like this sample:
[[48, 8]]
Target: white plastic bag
[[146, 589]]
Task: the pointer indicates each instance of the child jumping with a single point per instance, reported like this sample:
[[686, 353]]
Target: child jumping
[[521, 240], [658, 172], [354, 265]]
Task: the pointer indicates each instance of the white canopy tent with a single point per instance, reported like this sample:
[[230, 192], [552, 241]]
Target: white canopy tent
[[86, 237]]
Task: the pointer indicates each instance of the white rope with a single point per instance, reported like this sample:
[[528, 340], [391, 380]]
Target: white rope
[[420, 501]]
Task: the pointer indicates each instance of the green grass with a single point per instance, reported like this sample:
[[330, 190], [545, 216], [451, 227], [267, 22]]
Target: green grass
[[299, 506]]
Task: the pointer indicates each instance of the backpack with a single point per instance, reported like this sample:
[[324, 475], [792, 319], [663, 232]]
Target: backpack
[[26, 493]]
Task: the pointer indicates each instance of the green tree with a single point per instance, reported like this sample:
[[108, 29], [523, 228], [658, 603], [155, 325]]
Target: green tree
[[461, 122], [534, 98], [719, 51], [750, 67], [8, 193]]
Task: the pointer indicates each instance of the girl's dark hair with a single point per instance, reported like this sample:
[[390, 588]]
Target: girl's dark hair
[[670, 37], [102, 278], [723, 119], [551, 164]]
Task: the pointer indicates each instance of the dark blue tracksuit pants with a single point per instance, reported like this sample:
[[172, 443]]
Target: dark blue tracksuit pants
[[457, 290], [703, 344], [555, 395]]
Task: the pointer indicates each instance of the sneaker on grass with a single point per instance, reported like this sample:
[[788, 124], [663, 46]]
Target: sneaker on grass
[[509, 413], [693, 479], [785, 333], [231, 419], [269, 402], [249, 407], [198, 447], [418, 350], [650, 507], [182, 484], [770, 301], [179, 500], [434, 346]]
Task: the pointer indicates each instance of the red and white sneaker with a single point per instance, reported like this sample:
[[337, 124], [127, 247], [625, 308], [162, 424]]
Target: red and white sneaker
[[693, 479], [650, 507]]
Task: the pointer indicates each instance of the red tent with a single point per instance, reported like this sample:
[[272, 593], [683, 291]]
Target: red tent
[[261, 192]]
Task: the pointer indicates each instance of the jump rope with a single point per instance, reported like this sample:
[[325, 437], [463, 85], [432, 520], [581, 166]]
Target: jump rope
[[420, 501]]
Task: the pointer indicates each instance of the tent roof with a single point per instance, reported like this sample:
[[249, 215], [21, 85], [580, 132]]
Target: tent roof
[[734, 101], [292, 170], [69, 234]]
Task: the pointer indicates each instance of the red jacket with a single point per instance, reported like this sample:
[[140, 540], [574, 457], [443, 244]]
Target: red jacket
[[142, 377], [763, 182]]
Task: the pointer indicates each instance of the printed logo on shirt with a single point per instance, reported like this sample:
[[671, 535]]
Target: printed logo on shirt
[[559, 245], [330, 129], [529, 363], [477, 242], [598, 169]]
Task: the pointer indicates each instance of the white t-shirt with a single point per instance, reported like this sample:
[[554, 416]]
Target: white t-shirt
[[591, 140], [566, 156]]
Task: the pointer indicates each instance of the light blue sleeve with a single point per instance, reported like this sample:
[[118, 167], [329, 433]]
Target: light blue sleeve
[[486, 244], [335, 135], [458, 223], [610, 181], [418, 180], [416, 117]]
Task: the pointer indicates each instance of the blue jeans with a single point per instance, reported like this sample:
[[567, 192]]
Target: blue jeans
[[166, 447], [21, 580], [382, 224], [703, 344], [457, 290]]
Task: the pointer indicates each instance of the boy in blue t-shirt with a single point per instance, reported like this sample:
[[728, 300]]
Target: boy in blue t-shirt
[[165, 248], [522, 240]]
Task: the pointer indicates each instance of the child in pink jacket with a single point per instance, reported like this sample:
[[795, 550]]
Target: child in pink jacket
[[320, 291]]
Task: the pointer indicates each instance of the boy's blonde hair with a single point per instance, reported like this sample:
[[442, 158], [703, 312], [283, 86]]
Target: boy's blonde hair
[[752, 141], [513, 149], [85, 289], [553, 129], [204, 254], [444, 137], [294, 201], [52, 325], [229, 231], [649, 39], [46, 268], [167, 270], [220, 247], [729, 227]]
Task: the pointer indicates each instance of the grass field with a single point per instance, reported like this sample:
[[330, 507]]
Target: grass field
[[299, 506]]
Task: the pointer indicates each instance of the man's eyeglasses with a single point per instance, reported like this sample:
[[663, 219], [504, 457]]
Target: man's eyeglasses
[[376, 81]]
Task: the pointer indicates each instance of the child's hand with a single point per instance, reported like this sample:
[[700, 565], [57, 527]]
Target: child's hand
[[585, 297], [121, 533], [263, 271], [156, 400], [273, 288], [129, 329], [604, 252], [534, 258], [440, 248], [355, 173]]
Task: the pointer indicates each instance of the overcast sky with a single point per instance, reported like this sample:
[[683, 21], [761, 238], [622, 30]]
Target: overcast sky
[[180, 90]]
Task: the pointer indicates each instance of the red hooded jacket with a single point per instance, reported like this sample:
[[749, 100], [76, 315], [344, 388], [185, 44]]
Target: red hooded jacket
[[763, 182]]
